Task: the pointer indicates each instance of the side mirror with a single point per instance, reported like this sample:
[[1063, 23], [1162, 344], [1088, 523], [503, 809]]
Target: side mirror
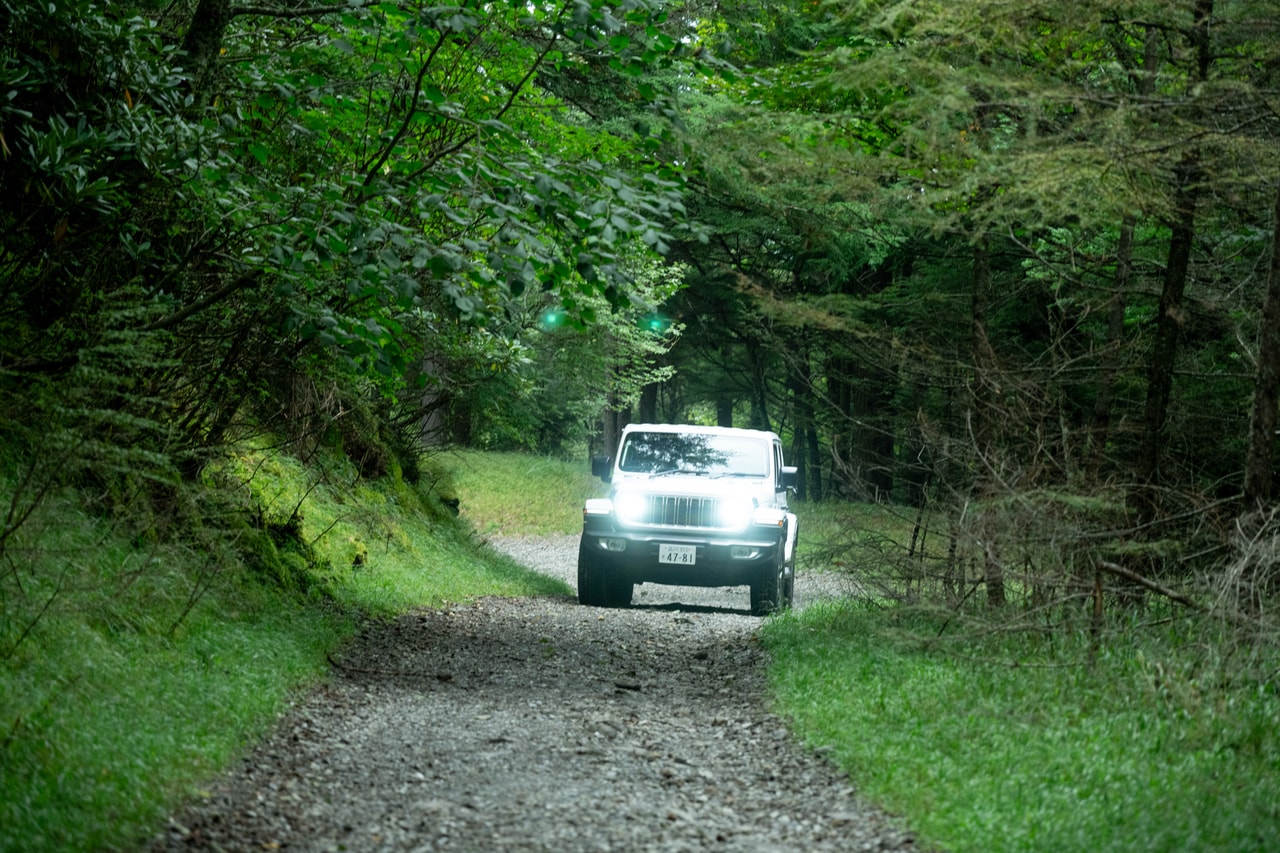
[[602, 467], [790, 476]]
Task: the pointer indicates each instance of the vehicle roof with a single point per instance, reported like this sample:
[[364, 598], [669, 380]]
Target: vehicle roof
[[700, 428]]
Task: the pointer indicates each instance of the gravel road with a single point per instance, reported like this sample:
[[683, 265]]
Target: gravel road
[[542, 725]]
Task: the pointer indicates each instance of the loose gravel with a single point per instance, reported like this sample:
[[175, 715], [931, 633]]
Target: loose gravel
[[542, 725]]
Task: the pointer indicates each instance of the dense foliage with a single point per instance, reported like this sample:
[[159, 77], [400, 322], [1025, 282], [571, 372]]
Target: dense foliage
[[1008, 265], [220, 215], [1011, 268]]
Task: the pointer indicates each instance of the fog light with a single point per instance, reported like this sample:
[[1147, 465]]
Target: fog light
[[614, 544], [741, 552]]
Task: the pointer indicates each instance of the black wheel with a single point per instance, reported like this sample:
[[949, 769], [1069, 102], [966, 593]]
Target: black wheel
[[767, 588], [618, 591], [789, 585], [598, 586], [590, 577], [789, 580]]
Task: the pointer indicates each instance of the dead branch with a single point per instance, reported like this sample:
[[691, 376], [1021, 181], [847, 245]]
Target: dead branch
[[1159, 589]]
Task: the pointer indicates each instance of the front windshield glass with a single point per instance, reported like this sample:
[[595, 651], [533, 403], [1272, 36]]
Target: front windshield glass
[[695, 453]]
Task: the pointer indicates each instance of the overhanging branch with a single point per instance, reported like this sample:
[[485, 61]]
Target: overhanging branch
[[300, 12]]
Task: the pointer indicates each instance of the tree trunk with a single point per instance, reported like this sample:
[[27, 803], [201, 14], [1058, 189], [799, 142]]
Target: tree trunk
[[1145, 84], [649, 403], [981, 418], [759, 385], [815, 492], [460, 421], [1169, 322], [614, 420], [1169, 319], [1101, 427], [203, 47], [802, 408], [798, 391], [724, 411], [433, 405], [1266, 387], [840, 393], [806, 458], [953, 571], [874, 442]]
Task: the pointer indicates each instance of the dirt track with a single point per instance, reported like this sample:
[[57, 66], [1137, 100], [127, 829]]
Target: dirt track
[[542, 725]]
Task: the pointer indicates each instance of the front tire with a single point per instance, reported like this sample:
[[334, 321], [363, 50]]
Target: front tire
[[789, 580], [767, 590], [598, 583]]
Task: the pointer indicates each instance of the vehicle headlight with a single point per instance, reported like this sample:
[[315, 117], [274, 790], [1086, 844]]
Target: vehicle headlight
[[734, 513], [630, 508]]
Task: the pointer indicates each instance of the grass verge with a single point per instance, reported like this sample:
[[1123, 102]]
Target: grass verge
[[1012, 746], [134, 666], [518, 494]]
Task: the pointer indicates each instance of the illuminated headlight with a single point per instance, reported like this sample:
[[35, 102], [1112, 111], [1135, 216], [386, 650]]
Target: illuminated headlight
[[734, 513], [630, 508]]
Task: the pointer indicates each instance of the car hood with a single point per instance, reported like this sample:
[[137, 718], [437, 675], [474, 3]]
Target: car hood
[[700, 486]]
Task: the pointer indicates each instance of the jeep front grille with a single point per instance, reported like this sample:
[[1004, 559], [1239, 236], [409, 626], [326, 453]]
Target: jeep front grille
[[673, 511]]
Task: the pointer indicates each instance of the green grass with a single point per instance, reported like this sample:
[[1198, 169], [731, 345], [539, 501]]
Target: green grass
[[832, 531], [979, 755], [125, 698], [159, 660], [518, 494], [106, 730], [382, 550]]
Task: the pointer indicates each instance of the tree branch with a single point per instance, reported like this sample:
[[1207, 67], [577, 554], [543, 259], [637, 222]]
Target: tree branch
[[515, 92], [304, 12], [239, 283], [1157, 588], [371, 171]]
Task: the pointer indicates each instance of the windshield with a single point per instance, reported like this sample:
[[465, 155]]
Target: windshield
[[694, 453]]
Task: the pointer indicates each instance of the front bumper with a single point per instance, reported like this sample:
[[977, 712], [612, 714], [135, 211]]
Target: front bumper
[[719, 560]]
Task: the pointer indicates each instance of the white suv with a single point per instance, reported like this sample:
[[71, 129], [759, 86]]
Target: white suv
[[690, 506]]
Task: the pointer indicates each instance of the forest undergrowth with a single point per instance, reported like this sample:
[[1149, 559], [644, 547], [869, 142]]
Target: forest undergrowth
[[135, 664], [1047, 724]]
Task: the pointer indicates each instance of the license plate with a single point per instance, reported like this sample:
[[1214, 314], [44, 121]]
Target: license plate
[[684, 555]]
